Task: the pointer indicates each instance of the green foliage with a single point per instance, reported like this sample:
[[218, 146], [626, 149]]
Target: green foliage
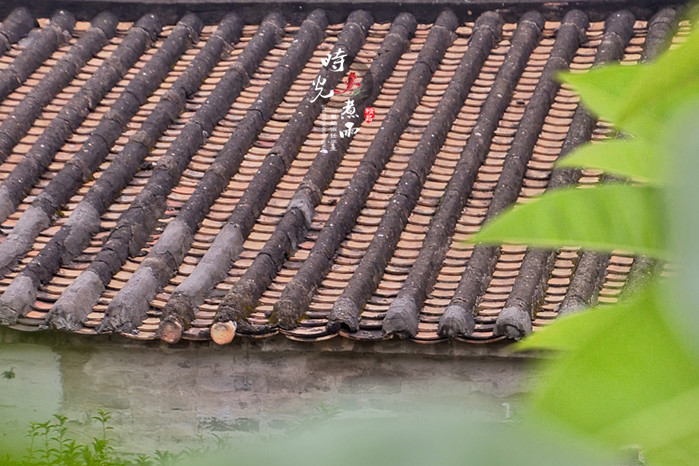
[[321, 413], [633, 158], [627, 374], [628, 379], [602, 90], [683, 195], [51, 445], [642, 99], [614, 216]]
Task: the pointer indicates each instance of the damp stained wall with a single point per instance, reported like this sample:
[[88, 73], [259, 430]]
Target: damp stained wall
[[162, 398]]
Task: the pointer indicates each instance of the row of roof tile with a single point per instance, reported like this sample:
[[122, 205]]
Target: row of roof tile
[[191, 181]]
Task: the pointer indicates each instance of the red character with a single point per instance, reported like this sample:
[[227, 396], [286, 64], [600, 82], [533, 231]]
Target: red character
[[369, 114], [350, 83]]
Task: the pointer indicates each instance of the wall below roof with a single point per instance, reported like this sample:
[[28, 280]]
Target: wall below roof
[[161, 397]]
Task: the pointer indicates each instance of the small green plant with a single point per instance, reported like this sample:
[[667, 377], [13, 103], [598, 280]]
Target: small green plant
[[167, 458], [143, 460], [51, 444], [321, 413], [33, 433], [102, 451]]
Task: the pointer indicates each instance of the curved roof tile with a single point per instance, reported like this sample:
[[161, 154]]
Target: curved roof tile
[[158, 181]]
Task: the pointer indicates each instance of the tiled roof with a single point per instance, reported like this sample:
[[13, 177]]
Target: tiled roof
[[160, 179]]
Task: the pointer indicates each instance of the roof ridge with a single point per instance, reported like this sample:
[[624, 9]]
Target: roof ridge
[[514, 323], [571, 35], [94, 150], [16, 186], [436, 243], [42, 44], [485, 36], [135, 224], [242, 298], [72, 308], [15, 27], [129, 307], [89, 157], [297, 294], [531, 284], [216, 262], [69, 118]]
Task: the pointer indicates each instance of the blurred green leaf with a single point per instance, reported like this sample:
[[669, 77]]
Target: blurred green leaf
[[661, 88], [682, 142], [605, 217], [635, 159], [630, 380], [602, 89], [570, 332], [641, 99], [626, 376]]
